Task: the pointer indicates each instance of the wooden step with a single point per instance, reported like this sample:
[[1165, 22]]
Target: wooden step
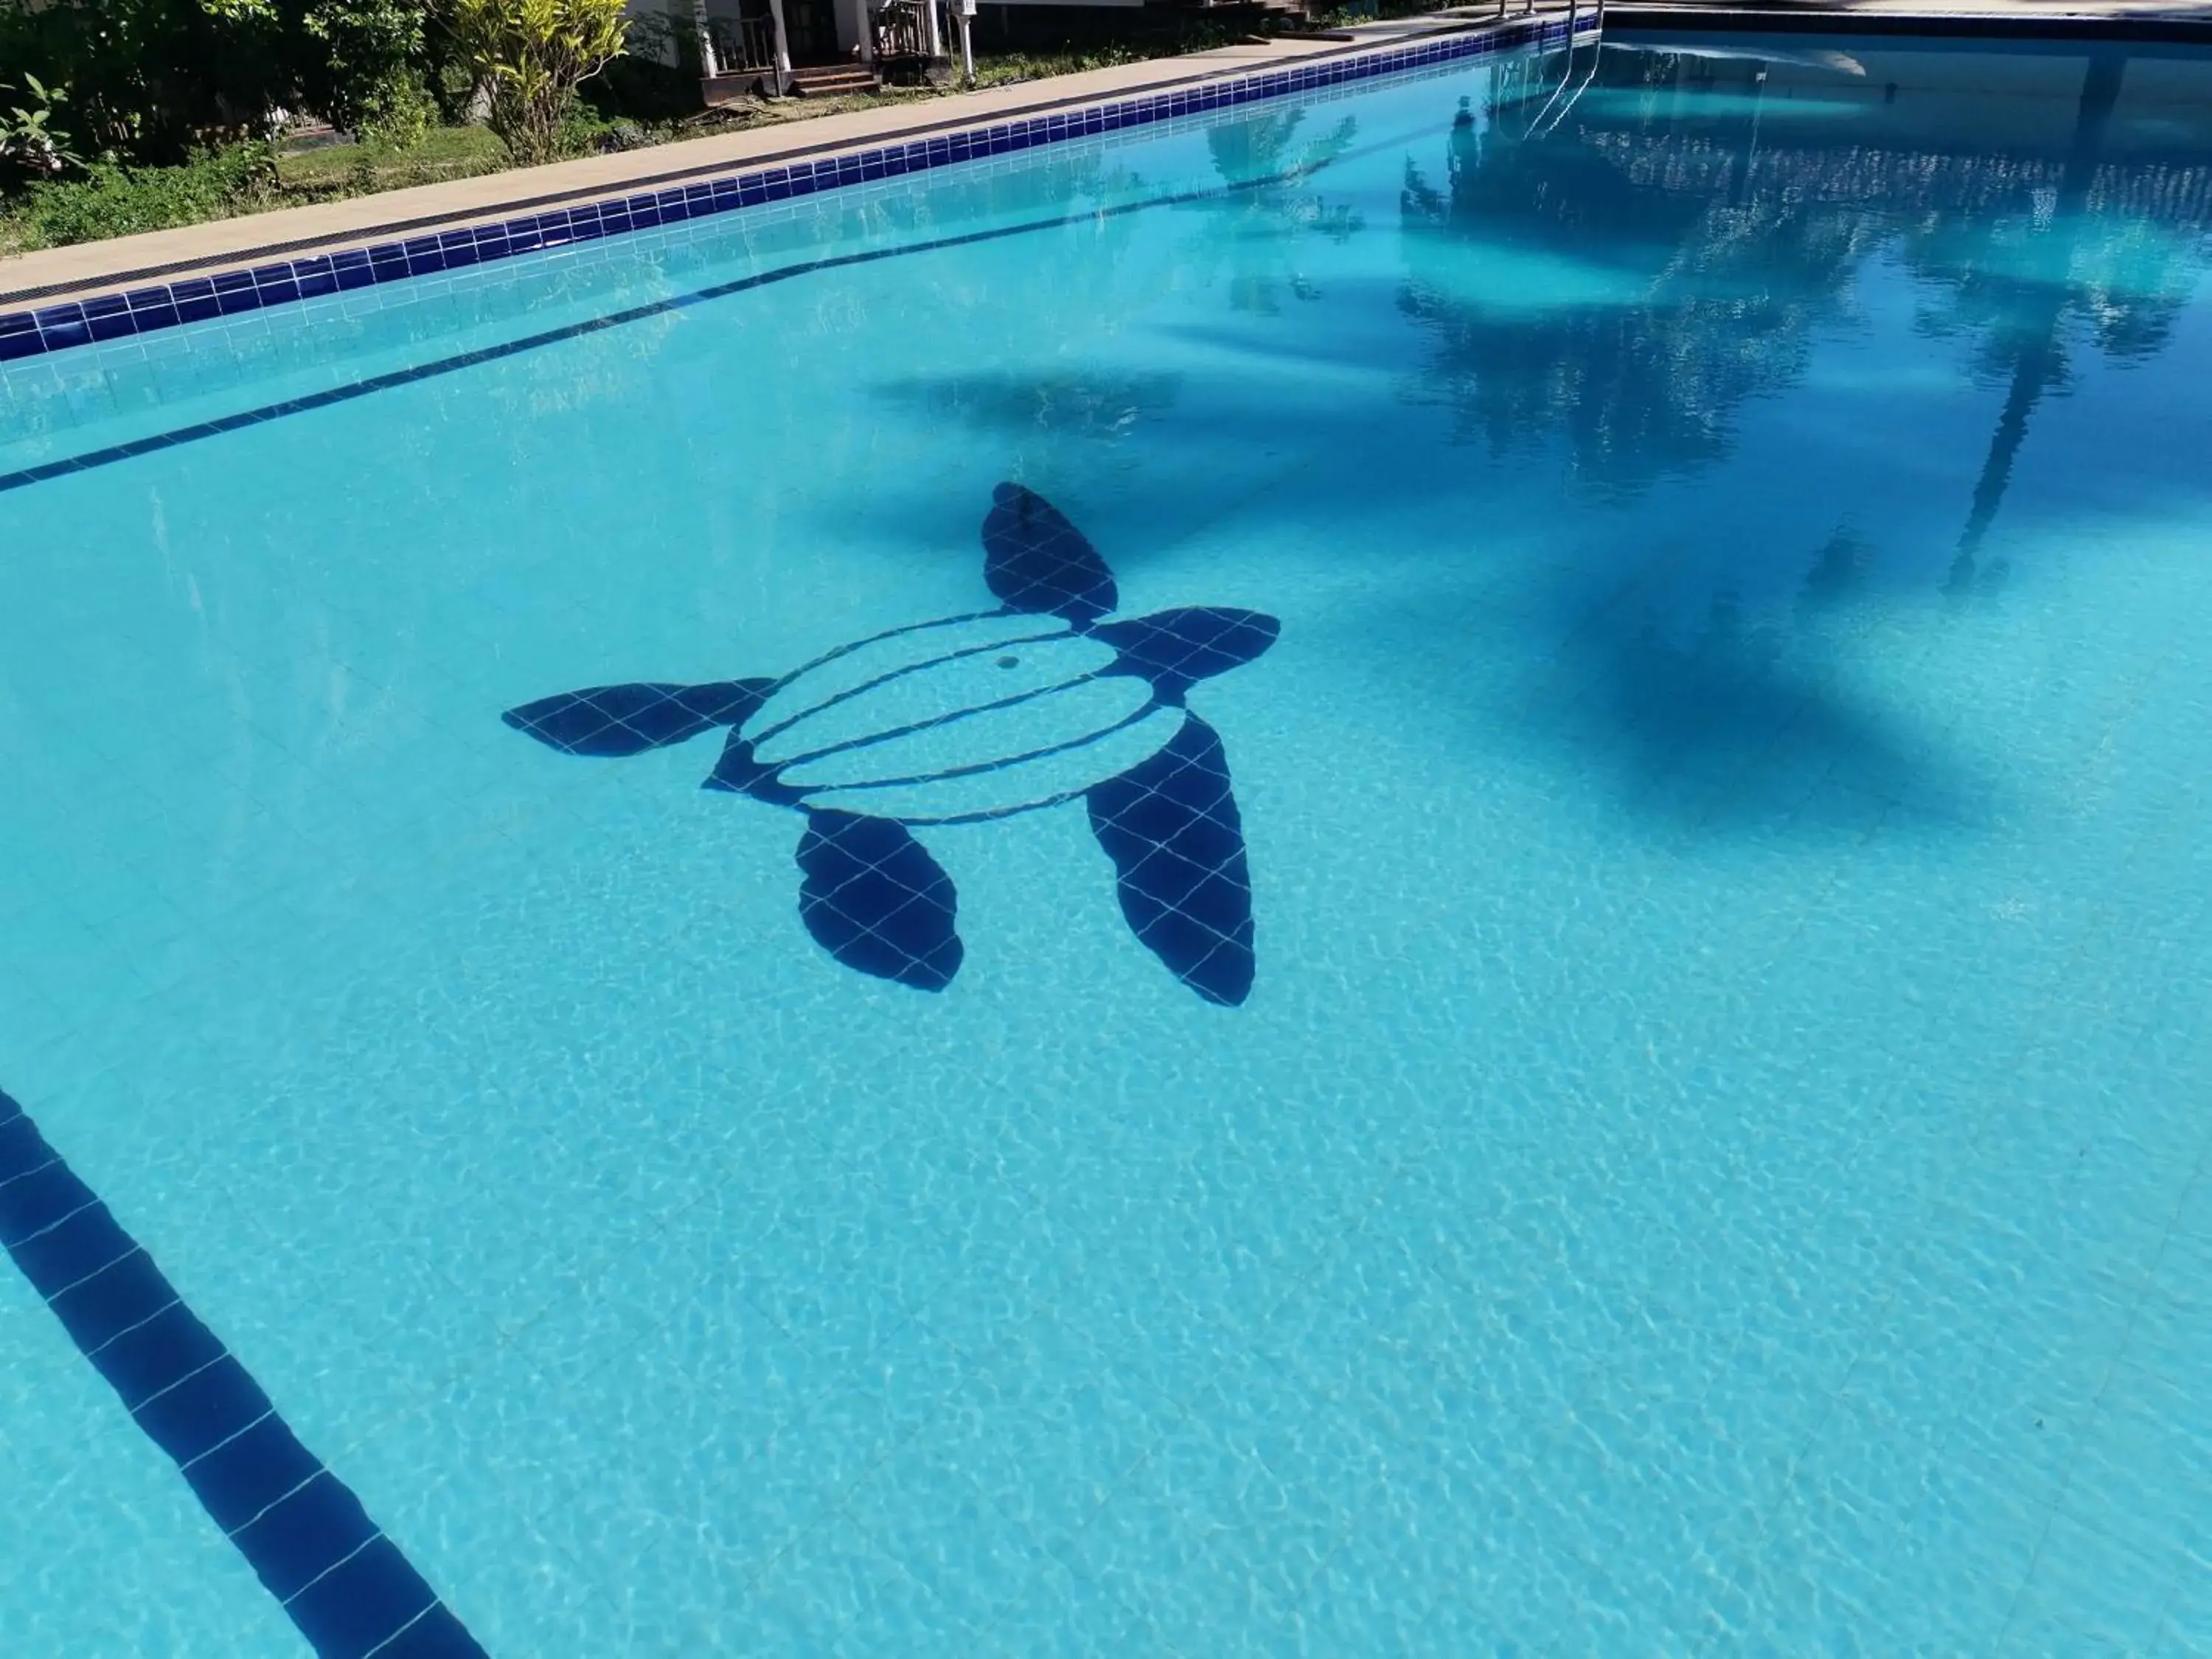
[[834, 81], [720, 90]]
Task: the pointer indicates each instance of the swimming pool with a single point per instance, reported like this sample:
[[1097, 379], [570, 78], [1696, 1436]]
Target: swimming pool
[[1579, 1024]]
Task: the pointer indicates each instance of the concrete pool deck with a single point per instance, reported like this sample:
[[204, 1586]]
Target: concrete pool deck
[[56, 275]]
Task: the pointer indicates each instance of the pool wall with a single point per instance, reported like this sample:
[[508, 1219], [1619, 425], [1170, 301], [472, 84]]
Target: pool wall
[[147, 310]]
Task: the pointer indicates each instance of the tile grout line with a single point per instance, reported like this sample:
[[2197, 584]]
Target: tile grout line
[[2045, 998], [2197, 1178], [341, 1580], [1709, 803]]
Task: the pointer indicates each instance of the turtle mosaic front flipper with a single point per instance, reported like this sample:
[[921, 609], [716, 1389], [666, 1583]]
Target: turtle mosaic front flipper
[[1037, 562], [614, 720], [1176, 649], [1171, 826]]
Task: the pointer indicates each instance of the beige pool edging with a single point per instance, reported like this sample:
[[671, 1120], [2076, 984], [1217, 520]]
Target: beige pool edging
[[57, 274]]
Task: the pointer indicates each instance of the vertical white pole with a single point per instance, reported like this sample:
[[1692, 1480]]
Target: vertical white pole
[[933, 40], [707, 66], [967, 44], [867, 32], [782, 47]]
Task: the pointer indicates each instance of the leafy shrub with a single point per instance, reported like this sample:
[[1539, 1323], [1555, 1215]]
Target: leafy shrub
[[363, 71], [120, 201], [33, 143], [149, 80], [532, 55], [152, 80]]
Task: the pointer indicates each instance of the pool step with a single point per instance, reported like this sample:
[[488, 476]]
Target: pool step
[[834, 81]]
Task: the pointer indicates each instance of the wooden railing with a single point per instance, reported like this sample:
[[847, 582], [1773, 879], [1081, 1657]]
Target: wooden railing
[[742, 46], [901, 29]]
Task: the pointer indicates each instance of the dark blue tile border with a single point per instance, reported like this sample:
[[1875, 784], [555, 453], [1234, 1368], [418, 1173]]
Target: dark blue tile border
[[343, 1584], [76, 323]]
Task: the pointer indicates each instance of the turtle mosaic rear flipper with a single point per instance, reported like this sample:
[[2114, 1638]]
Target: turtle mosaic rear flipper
[[875, 900], [1171, 826]]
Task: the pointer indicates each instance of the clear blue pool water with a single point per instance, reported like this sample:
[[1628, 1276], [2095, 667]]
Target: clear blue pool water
[[1714, 1155]]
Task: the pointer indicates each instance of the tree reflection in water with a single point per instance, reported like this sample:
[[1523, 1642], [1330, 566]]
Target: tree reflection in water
[[1703, 298], [1618, 286], [1692, 254], [1256, 228]]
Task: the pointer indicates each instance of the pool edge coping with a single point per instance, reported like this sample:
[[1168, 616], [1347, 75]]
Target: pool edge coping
[[224, 284]]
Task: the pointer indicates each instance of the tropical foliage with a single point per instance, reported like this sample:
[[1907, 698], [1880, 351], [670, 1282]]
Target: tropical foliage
[[32, 142], [147, 80], [530, 56], [367, 66], [112, 200]]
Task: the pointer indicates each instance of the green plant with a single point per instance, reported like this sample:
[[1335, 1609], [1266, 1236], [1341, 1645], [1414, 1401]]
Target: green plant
[[532, 55], [144, 79], [363, 66], [111, 200], [32, 142], [153, 81]]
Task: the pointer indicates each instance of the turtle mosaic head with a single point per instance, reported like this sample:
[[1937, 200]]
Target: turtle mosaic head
[[1047, 699]]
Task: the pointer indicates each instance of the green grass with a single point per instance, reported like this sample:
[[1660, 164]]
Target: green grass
[[358, 169], [244, 180], [118, 201]]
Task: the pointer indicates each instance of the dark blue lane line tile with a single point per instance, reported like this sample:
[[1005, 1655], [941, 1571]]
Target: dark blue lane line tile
[[254, 1477], [146, 1362], [197, 1408], [349, 1608], [16, 1133], [436, 1635], [112, 1302], [73, 1249], [306, 1533], [346, 1585], [34, 1202]]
